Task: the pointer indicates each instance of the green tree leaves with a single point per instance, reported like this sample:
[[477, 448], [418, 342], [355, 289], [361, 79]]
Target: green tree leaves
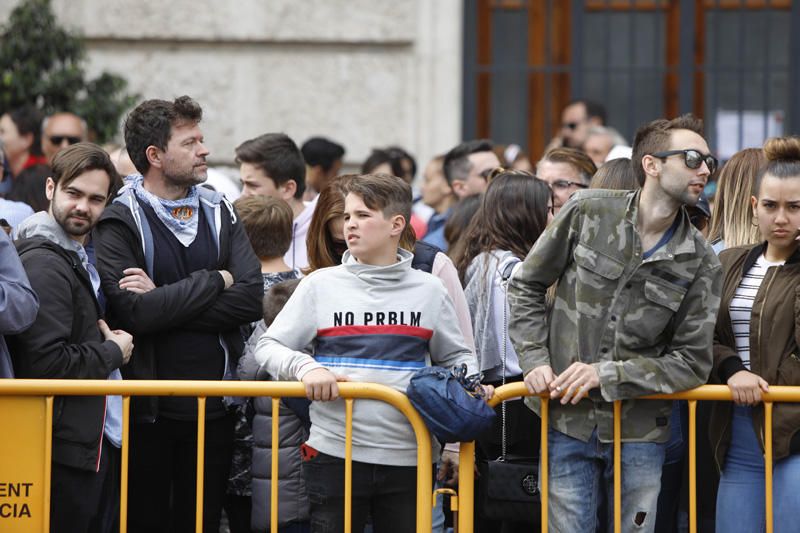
[[41, 63]]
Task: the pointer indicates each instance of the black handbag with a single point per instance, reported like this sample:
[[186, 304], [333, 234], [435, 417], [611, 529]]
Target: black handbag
[[508, 486], [508, 489]]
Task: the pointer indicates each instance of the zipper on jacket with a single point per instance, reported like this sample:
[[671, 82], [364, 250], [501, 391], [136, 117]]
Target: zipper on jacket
[[78, 269], [771, 272], [102, 434]]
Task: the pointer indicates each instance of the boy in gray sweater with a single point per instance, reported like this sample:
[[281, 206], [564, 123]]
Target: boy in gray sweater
[[371, 319]]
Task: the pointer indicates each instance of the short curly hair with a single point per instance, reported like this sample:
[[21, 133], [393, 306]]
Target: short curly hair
[[151, 123]]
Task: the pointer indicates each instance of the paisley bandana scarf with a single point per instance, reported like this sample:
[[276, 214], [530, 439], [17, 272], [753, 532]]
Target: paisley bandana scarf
[[179, 216]]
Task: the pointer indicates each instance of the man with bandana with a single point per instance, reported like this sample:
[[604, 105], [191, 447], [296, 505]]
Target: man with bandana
[[180, 275]]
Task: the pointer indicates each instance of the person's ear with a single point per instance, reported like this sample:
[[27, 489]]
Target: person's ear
[[753, 205], [28, 140], [49, 188], [154, 156], [651, 165], [459, 188], [398, 225], [288, 188]]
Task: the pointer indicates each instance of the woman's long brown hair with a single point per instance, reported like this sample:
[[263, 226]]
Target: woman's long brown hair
[[512, 215]]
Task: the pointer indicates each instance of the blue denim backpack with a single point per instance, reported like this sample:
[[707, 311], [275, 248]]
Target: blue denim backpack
[[451, 412]]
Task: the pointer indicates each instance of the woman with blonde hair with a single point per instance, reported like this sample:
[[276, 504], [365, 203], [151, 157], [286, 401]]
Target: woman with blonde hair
[[755, 347], [731, 219]]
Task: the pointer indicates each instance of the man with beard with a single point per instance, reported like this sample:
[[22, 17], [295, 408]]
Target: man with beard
[[70, 340], [636, 299], [180, 274]]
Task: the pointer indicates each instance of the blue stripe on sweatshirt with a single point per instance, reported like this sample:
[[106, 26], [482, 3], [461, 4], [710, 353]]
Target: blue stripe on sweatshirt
[[396, 348], [375, 364]]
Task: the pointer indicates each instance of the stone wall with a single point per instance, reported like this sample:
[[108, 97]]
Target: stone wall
[[363, 72]]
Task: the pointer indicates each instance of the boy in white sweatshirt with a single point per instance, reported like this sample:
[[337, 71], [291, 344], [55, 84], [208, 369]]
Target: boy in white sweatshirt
[[370, 319]]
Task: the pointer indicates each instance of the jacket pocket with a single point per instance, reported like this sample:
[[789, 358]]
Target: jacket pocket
[[789, 371], [661, 301], [597, 278]]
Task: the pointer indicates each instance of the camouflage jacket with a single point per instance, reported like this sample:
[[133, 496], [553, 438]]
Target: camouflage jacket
[[646, 325]]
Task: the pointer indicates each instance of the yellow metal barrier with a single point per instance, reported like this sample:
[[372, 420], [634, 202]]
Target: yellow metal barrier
[[48, 389], [350, 391], [704, 393]]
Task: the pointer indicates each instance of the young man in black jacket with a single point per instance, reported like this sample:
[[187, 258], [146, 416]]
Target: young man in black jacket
[[70, 340], [180, 274]]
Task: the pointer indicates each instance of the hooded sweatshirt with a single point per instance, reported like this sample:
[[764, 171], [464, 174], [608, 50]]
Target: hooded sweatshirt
[[376, 324], [297, 255], [64, 342]]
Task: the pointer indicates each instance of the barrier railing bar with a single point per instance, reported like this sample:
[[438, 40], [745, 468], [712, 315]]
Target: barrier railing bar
[[692, 466], [123, 474], [348, 464], [466, 487], [201, 447], [48, 456], [703, 393], [618, 466], [544, 467], [273, 486], [74, 387], [203, 389], [768, 463]]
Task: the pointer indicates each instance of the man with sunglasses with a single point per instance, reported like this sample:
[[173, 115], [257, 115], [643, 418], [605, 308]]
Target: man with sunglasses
[[637, 292], [60, 130], [576, 119]]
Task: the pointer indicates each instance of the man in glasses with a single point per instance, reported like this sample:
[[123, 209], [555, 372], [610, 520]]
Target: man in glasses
[[566, 170], [637, 293], [60, 130], [576, 119]]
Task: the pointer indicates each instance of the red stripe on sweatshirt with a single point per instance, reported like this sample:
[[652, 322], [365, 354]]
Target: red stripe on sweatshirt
[[341, 331]]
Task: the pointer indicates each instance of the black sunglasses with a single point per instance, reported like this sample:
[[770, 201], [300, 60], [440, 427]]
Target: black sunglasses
[[59, 139], [692, 158]]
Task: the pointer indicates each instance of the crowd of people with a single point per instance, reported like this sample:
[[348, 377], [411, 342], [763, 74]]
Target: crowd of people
[[594, 273]]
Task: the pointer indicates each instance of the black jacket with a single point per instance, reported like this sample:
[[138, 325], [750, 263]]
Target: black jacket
[[65, 342], [199, 302]]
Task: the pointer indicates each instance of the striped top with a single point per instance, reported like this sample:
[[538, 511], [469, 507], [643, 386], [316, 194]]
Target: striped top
[[741, 306]]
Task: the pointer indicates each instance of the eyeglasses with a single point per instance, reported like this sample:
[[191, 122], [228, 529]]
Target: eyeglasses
[[566, 184], [58, 140], [692, 158]]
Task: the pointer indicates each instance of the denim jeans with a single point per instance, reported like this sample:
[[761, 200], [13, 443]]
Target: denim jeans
[[740, 500], [578, 469], [386, 493]]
